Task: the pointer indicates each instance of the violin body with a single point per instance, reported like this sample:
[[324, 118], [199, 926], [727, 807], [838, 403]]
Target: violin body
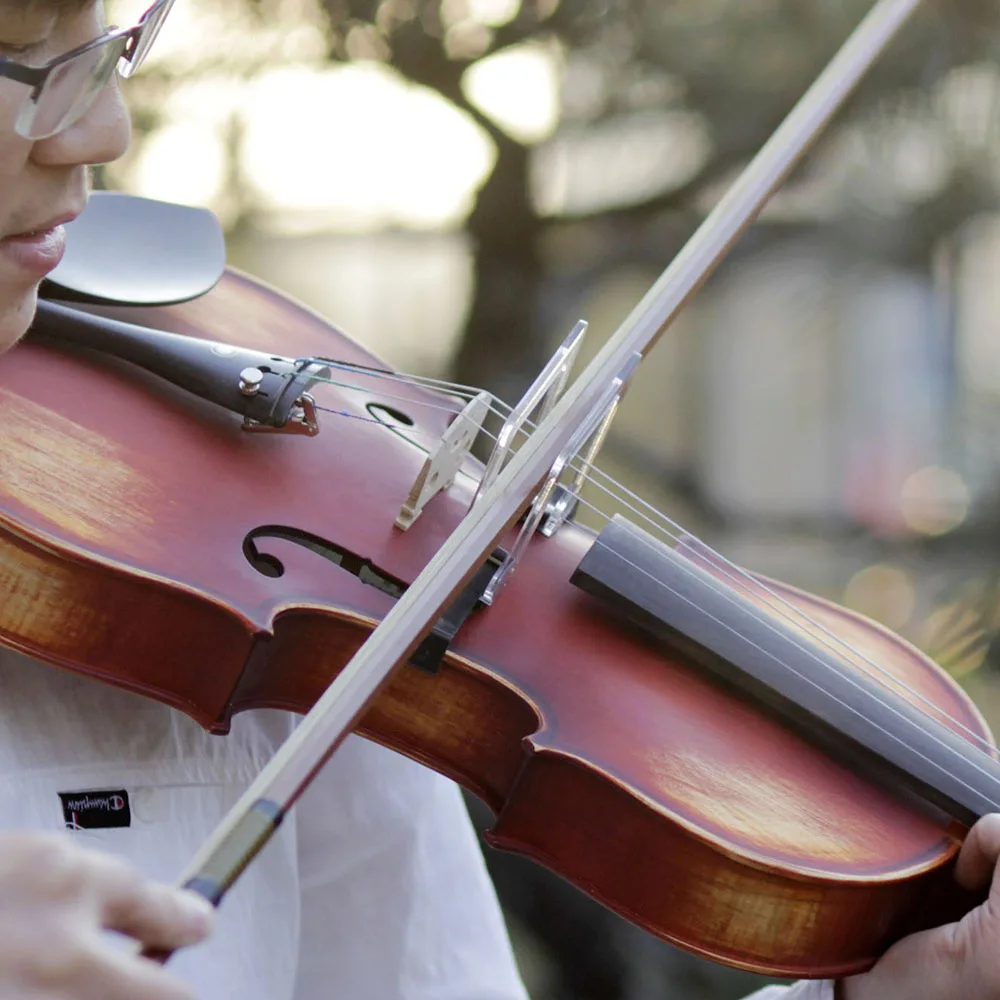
[[126, 506]]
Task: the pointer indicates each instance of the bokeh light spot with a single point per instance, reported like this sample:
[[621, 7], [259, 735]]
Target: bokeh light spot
[[184, 163], [934, 501], [882, 592], [518, 89], [317, 144]]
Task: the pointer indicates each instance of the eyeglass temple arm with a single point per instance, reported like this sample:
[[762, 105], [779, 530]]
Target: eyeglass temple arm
[[31, 76]]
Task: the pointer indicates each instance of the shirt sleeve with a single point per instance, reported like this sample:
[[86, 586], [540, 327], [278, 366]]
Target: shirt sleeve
[[806, 989], [396, 900]]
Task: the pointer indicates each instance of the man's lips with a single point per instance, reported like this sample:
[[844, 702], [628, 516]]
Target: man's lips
[[45, 225], [38, 251]]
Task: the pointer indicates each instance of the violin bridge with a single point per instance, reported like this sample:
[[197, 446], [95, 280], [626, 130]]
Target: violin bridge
[[442, 464]]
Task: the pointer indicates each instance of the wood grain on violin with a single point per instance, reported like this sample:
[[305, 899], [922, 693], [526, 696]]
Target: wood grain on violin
[[607, 755]]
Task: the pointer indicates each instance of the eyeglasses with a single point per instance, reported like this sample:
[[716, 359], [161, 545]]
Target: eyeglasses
[[63, 90]]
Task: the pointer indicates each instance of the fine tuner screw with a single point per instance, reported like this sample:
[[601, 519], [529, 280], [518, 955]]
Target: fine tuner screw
[[250, 380]]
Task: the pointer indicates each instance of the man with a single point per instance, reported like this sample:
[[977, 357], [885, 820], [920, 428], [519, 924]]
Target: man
[[373, 889]]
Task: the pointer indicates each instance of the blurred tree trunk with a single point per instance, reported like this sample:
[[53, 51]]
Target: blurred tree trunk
[[500, 346]]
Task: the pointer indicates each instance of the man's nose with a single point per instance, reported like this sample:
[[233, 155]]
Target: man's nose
[[100, 136]]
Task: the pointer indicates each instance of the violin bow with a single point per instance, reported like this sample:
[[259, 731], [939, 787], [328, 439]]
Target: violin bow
[[255, 817]]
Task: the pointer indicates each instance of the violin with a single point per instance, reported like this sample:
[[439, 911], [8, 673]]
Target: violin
[[746, 770], [611, 756]]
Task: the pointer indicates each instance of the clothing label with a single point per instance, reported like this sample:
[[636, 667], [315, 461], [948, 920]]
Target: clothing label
[[98, 810]]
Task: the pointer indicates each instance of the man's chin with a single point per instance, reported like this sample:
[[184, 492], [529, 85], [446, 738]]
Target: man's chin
[[16, 317]]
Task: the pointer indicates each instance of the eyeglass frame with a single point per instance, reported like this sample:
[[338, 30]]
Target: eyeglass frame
[[37, 76]]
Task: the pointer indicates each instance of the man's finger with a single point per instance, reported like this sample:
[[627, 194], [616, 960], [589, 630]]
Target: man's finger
[[978, 858], [51, 869], [156, 915]]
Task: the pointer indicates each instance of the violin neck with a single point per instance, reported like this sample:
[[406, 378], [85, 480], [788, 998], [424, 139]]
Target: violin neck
[[816, 684]]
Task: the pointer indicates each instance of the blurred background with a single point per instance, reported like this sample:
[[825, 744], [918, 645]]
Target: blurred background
[[455, 182]]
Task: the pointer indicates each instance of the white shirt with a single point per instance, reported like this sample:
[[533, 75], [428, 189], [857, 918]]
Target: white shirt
[[373, 888], [806, 990]]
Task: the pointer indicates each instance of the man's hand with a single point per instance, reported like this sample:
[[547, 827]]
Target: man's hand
[[56, 899], [959, 961]]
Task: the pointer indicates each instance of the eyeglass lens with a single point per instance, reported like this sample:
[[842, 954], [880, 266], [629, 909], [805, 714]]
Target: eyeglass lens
[[149, 28], [72, 86]]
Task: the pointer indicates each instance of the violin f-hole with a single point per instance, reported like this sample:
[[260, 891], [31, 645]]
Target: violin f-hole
[[270, 565]]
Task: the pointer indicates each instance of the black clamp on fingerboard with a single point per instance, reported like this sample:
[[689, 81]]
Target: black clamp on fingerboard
[[429, 653]]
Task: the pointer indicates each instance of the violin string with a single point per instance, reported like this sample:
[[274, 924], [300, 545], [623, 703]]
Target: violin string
[[668, 528], [738, 578], [816, 631], [741, 580], [352, 416], [424, 381], [810, 654], [752, 585], [775, 603], [673, 532]]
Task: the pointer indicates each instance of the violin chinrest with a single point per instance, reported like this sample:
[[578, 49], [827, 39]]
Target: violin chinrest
[[126, 250]]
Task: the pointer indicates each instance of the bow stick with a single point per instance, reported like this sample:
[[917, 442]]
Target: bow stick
[[255, 817]]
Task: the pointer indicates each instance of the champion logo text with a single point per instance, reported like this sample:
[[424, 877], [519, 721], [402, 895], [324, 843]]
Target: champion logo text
[[96, 810]]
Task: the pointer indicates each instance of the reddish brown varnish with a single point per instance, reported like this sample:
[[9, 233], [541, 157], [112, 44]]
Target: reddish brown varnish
[[124, 504]]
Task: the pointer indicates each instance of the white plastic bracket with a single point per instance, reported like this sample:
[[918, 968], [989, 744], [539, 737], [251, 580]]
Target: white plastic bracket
[[542, 395], [597, 421]]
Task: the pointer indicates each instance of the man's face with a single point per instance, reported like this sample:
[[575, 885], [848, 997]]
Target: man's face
[[44, 182]]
